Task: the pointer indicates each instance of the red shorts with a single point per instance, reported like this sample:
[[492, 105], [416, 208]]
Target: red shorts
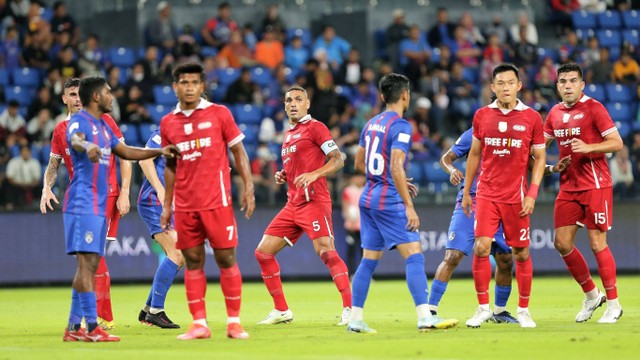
[[592, 209], [217, 225], [490, 214], [113, 218], [312, 218]]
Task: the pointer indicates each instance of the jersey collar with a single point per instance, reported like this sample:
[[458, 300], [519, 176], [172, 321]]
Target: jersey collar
[[203, 104], [301, 121], [520, 106]]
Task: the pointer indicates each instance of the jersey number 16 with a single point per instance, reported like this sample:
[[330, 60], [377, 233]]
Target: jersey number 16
[[375, 161]]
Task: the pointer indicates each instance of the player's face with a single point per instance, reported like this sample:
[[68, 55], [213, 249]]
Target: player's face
[[188, 90], [105, 99], [71, 98], [570, 87], [296, 105], [506, 86]]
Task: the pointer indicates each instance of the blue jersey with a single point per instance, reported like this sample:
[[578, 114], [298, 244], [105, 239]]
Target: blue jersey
[[384, 132], [461, 148], [148, 195], [89, 188]]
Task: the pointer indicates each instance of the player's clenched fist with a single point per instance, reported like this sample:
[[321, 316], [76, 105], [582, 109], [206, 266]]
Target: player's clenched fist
[[281, 177]]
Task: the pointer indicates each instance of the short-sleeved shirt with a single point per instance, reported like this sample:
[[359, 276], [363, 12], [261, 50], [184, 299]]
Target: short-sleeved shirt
[[87, 193], [221, 29], [590, 122], [419, 45], [383, 133], [148, 195], [203, 180], [506, 139], [304, 149], [461, 148]]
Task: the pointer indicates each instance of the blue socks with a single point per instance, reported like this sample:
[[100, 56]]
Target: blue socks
[[416, 278], [438, 289], [361, 281], [88, 305], [502, 295], [75, 315], [162, 281]]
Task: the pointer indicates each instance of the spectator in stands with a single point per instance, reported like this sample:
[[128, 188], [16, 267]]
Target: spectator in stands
[[561, 14], [67, 64], [463, 98], [40, 127], [61, 40], [488, 64], [591, 54], [187, 48], [10, 49], [133, 108], [19, 10], [545, 84], [23, 179], [37, 25], [530, 30], [396, 32], [63, 22], [442, 31], [494, 47], [235, 54], [524, 53], [571, 50], [217, 31], [151, 65], [273, 21], [471, 31], [44, 100], [36, 52], [350, 72], [622, 174], [364, 94], [249, 36], [602, 71], [54, 82], [139, 79], [295, 54], [269, 51], [244, 90], [12, 124], [117, 88], [91, 57], [335, 47], [464, 50], [547, 62], [414, 54], [626, 69], [321, 89], [161, 30], [497, 28], [425, 123]]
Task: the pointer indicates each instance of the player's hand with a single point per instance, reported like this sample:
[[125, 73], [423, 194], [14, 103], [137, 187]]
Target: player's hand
[[45, 200], [467, 205], [248, 202], [562, 165], [304, 180], [579, 146], [281, 177], [413, 222], [93, 152], [123, 203], [527, 206], [165, 218], [413, 188], [456, 177], [171, 151], [160, 195]]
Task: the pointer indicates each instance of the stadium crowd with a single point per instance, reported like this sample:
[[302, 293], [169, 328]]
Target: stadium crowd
[[248, 67]]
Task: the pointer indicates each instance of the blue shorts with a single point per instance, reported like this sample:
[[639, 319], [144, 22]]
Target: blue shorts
[[462, 237], [85, 233], [384, 229], [151, 217]]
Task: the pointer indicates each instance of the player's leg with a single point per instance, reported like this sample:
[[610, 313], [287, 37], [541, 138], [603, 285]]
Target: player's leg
[[231, 284], [504, 270], [103, 277]]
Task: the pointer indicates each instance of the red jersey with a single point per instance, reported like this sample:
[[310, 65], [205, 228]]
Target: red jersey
[[203, 180], [60, 150], [590, 122], [506, 140], [304, 150]]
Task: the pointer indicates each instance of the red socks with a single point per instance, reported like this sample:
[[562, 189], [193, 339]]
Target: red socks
[[102, 288], [231, 284], [524, 273], [607, 271], [196, 285], [578, 267], [481, 278], [339, 274], [271, 277]]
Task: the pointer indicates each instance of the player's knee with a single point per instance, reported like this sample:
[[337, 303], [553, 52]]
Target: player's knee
[[483, 248], [564, 247], [453, 258], [504, 262]]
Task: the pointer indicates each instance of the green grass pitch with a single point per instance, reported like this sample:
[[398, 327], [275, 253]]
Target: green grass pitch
[[33, 321]]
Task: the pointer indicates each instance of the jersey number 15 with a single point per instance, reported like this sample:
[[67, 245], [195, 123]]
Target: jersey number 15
[[375, 161]]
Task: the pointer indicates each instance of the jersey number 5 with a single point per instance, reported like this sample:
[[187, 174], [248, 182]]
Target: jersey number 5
[[375, 161]]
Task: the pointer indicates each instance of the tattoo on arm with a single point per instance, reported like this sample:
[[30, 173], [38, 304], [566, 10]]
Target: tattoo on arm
[[51, 174]]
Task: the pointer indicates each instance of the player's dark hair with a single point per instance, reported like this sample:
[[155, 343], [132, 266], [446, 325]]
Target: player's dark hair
[[565, 68], [188, 68], [90, 86], [392, 86], [71, 82], [224, 5], [296, 88], [504, 68]]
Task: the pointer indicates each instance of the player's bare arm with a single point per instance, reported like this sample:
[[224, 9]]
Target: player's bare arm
[[123, 203], [446, 162], [79, 144], [50, 176], [400, 179], [537, 172], [169, 186], [149, 171], [612, 143], [135, 153], [248, 199], [335, 163], [473, 162]]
